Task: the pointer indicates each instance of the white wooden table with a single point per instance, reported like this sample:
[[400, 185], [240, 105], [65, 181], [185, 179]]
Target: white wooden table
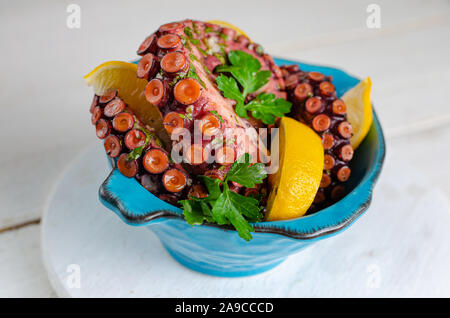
[[44, 119]]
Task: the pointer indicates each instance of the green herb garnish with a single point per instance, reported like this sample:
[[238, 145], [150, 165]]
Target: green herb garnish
[[177, 78], [195, 27], [193, 57], [191, 39], [202, 51], [136, 153], [190, 112], [220, 57], [206, 70], [217, 114], [225, 207], [185, 42], [247, 78], [223, 36], [188, 32], [267, 107], [193, 74]]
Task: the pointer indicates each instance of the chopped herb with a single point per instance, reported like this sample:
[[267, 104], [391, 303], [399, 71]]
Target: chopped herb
[[220, 57], [206, 69], [193, 74], [260, 50], [135, 153], [217, 142], [208, 30], [222, 49], [189, 112], [185, 43], [177, 78], [193, 57], [223, 206], [185, 116], [195, 41], [223, 36], [217, 114], [195, 27], [203, 52], [188, 32]]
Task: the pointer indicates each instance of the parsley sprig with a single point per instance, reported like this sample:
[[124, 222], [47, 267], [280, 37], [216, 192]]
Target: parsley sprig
[[247, 77], [225, 207], [136, 153]]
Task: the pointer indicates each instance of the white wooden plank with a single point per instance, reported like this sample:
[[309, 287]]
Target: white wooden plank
[[26, 181], [21, 271], [427, 153]]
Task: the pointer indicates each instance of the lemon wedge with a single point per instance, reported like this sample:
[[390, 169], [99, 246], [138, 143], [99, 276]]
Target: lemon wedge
[[297, 179], [224, 24], [122, 77], [359, 110]]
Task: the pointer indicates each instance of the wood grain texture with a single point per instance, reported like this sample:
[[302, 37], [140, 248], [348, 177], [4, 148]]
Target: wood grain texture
[[21, 271]]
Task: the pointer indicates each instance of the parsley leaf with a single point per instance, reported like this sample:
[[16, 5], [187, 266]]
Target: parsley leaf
[[226, 211], [223, 206], [267, 107], [229, 88], [213, 187], [245, 174], [247, 75], [245, 69], [192, 211]]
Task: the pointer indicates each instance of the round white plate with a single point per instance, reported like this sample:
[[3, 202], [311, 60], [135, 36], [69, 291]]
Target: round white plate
[[89, 252]]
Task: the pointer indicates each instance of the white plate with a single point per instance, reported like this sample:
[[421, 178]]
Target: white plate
[[399, 248]]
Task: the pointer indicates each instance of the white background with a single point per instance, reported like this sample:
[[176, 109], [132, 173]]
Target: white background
[[45, 122]]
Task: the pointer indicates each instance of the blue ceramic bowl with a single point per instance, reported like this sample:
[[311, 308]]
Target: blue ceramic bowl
[[220, 251]]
